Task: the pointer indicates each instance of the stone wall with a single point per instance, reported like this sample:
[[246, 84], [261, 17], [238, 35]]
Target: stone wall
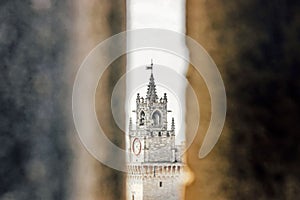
[[254, 45], [160, 149], [160, 188], [155, 181]]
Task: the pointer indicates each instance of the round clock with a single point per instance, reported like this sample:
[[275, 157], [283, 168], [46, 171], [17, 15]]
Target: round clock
[[136, 146]]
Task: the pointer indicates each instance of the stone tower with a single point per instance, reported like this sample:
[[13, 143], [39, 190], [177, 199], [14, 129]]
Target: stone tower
[[155, 167]]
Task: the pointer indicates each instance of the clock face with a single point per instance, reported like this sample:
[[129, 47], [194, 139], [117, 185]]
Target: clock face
[[136, 146]]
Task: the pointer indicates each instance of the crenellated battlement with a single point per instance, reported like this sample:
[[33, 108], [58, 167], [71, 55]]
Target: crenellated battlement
[[155, 170]]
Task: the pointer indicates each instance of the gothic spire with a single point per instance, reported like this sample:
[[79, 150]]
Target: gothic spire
[[151, 91]]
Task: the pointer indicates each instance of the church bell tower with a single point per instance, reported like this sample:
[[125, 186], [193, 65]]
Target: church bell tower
[[155, 166]]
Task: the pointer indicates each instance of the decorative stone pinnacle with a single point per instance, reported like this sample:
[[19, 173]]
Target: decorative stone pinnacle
[[165, 97], [130, 123], [173, 124]]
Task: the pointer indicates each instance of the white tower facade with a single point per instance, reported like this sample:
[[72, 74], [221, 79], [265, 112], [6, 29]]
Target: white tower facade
[[155, 167]]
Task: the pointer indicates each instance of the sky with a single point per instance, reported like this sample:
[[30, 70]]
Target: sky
[[169, 15]]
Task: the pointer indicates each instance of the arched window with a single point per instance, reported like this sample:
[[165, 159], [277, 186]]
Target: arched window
[[142, 118], [156, 117]]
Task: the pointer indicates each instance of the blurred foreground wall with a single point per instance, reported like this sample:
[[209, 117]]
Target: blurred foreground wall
[[255, 45], [35, 153], [42, 44], [96, 21]]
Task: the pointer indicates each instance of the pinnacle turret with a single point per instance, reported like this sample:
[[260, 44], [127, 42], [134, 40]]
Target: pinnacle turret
[[130, 123], [173, 124]]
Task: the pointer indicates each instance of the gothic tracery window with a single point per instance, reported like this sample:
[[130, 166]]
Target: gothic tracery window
[[156, 117]]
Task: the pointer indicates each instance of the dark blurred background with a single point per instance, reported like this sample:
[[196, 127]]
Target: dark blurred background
[[254, 43]]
